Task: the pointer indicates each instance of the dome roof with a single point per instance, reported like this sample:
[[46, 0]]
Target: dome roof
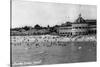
[[80, 19]]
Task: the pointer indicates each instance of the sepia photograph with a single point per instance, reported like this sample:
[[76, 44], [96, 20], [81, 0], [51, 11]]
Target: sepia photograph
[[45, 33]]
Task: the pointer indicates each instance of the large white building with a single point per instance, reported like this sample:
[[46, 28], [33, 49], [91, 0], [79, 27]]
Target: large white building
[[78, 27]]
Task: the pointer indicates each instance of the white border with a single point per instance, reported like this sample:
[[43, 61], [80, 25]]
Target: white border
[[5, 32]]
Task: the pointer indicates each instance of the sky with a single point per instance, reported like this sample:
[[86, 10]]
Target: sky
[[29, 13]]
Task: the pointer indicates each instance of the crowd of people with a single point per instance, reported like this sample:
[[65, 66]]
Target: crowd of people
[[48, 40]]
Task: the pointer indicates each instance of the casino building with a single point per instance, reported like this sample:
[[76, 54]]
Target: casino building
[[78, 27]]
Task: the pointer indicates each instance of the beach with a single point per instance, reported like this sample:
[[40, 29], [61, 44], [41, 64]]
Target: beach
[[39, 50]]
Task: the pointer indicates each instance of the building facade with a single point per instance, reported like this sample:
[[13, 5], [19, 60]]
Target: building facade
[[78, 27]]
